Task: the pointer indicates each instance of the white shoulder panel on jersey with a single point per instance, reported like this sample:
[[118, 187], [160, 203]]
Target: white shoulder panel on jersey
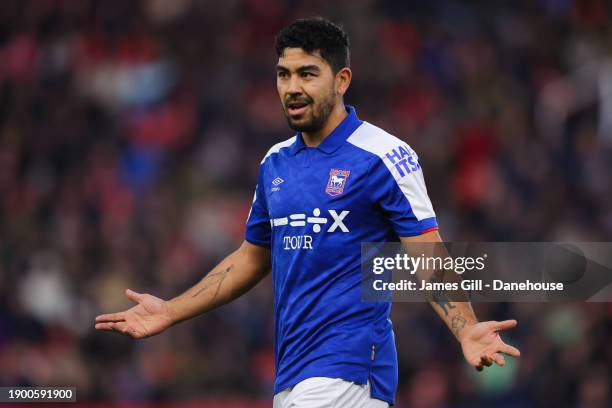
[[376, 141], [276, 148]]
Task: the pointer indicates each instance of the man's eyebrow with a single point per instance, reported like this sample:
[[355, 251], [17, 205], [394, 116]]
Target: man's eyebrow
[[308, 68], [300, 69]]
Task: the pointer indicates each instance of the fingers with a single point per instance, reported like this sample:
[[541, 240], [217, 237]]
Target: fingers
[[103, 326], [117, 321], [505, 325], [485, 361], [111, 317], [120, 316], [134, 296], [498, 359], [509, 350], [119, 327]]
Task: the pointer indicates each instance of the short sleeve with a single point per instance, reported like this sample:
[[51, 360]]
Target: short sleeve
[[398, 187], [258, 229]]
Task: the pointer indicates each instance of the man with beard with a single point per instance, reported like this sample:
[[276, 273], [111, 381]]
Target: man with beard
[[338, 182]]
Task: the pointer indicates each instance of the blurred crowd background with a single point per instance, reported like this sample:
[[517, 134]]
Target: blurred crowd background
[[130, 138]]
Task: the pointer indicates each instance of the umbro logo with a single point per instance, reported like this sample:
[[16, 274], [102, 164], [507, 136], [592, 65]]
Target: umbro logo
[[276, 182]]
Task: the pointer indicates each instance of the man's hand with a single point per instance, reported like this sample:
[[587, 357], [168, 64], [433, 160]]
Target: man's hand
[[149, 317], [482, 345]]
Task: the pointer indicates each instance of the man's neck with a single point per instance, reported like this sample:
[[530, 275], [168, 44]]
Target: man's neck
[[313, 139]]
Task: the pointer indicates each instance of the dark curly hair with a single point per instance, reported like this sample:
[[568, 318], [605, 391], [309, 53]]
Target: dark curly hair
[[316, 33]]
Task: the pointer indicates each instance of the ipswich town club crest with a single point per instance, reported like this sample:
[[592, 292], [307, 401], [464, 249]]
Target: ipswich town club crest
[[336, 182]]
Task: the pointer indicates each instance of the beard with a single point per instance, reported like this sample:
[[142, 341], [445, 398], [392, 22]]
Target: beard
[[315, 117]]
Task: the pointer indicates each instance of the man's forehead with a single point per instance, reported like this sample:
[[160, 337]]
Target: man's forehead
[[297, 56]]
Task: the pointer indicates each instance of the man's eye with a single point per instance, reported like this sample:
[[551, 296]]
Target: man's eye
[[282, 74], [307, 74]]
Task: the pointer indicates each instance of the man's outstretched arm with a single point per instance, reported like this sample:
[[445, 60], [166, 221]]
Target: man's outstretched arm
[[480, 341], [231, 278]]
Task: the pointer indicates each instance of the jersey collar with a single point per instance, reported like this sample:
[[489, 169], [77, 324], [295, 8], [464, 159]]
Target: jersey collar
[[336, 138]]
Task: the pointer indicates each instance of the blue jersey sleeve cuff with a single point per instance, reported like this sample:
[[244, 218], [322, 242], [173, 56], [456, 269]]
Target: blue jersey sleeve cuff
[[258, 242]]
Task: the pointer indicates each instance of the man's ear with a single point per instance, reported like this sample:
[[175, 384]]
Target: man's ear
[[343, 80]]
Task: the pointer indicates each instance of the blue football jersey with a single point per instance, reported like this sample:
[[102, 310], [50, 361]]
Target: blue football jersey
[[313, 207]]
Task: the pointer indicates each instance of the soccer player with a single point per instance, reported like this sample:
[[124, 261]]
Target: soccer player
[[338, 182]]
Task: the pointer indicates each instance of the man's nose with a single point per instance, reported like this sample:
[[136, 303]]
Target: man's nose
[[295, 86]]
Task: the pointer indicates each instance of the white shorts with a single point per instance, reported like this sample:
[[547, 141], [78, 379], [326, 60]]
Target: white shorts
[[323, 392]]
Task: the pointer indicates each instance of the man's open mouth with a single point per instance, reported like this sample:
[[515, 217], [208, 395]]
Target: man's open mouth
[[296, 108]]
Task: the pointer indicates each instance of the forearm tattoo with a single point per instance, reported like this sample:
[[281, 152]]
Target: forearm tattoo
[[457, 324], [213, 280], [440, 297]]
